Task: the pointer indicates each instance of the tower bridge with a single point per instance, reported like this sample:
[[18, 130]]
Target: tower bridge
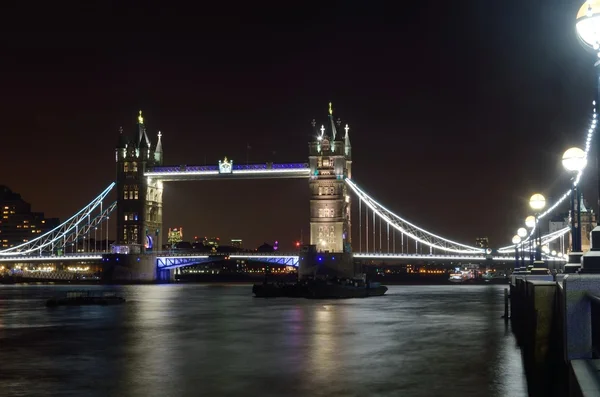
[[140, 177]]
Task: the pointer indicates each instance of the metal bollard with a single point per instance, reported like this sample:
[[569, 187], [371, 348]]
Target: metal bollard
[[505, 305]]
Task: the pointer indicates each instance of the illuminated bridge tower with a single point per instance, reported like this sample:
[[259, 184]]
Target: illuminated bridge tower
[[139, 202], [330, 160]]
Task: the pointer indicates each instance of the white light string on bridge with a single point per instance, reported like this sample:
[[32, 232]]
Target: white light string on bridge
[[410, 230], [85, 230], [59, 234], [588, 143], [546, 239]]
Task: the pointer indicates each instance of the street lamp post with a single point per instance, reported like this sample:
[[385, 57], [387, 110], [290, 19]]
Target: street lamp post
[[516, 240], [530, 224], [574, 160], [588, 29], [522, 233], [537, 202]]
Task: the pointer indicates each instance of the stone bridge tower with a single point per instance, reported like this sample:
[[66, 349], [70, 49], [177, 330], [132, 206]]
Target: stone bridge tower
[[139, 201], [330, 160]]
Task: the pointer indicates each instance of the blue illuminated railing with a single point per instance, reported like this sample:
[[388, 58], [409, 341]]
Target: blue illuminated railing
[[236, 167]]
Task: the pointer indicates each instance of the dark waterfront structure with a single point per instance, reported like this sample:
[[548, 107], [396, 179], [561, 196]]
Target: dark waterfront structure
[[19, 224]]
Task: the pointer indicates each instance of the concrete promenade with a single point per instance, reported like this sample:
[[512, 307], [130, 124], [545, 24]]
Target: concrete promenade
[[556, 321]]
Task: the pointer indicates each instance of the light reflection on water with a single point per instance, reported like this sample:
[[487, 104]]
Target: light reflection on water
[[180, 340]]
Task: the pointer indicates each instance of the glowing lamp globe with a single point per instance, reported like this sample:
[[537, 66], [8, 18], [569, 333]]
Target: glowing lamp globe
[[530, 221], [537, 202], [588, 24], [522, 232], [553, 253], [516, 239], [560, 254], [574, 159], [545, 249]]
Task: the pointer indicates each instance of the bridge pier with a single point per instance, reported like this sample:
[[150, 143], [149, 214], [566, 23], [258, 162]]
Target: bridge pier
[[133, 268], [313, 264]]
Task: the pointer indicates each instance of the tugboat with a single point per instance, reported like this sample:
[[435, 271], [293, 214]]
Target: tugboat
[[279, 290], [323, 275], [342, 289], [81, 298]]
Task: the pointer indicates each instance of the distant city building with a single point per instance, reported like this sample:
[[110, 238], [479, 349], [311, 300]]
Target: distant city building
[[175, 236], [18, 224], [211, 242], [265, 248], [482, 242], [236, 243], [588, 221]]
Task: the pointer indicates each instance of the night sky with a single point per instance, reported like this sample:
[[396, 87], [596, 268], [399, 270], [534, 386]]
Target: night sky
[[458, 110]]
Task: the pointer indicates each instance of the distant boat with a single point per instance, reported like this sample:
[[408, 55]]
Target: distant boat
[[460, 277], [456, 278]]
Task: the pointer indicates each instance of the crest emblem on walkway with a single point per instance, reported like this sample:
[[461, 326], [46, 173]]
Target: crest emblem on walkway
[[225, 166]]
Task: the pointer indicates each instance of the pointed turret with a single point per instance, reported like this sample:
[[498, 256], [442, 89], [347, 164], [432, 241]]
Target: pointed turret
[[582, 207], [332, 123], [338, 127], [142, 138], [347, 140], [158, 149]]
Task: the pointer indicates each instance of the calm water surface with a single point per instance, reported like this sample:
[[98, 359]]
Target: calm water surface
[[207, 340]]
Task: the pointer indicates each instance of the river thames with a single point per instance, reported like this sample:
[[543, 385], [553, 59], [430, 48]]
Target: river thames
[[216, 340]]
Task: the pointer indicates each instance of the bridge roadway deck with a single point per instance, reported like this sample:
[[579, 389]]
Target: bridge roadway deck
[[280, 258]]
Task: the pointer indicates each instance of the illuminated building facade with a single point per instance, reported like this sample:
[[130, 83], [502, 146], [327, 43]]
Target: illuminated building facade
[[175, 236], [330, 161], [236, 243], [18, 224], [211, 242], [139, 209]]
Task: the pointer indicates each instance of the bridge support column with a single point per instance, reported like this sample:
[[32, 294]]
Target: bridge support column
[[313, 264], [131, 268]]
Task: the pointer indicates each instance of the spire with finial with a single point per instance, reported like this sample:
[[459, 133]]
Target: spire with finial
[[347, 140], [158, 150], [582, 207], [142, 138], [332, 122]]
